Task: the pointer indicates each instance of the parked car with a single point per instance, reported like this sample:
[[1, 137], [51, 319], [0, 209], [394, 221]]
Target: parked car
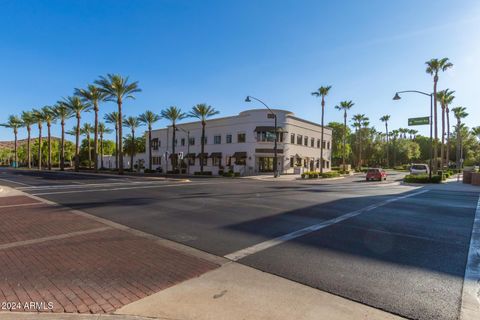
[[419, 168], [376, 174]]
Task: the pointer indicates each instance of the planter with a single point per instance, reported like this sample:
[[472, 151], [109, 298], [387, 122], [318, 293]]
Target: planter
[[475, 179], [467, 176]]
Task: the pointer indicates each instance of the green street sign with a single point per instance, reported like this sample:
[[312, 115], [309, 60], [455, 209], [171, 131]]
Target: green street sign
[[418, 121]]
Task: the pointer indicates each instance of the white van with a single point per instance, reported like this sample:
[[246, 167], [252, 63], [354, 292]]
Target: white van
[[419, 168]]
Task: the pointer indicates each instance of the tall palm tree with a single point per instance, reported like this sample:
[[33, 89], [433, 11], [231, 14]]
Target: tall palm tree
[[94, 96], [87, 130], [395, 134], [360, 121], [173, 114], [445, 97], [476, 131], [459, 113], [28, 120], [102, 129], [14, 122], [412, 133], [322, 92], [149, 118], [63, 113], [203, 111], [132, 123], [385, 119], [77, 106], [39, 117], [113, 118], [49, 117], [344, 106], [434, 66], [117, 88]]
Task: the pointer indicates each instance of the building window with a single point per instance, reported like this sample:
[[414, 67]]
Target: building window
[[312, 142], [328, 145], [156, 161], [203, 160], [229, 138], [299, 139], [217, 139], [191, 160], [324, 144], [317, 163], [292, 138], [182, 142], [292, 162], [205, 140], [241, 138], [318, 143], [155, 144], [305, 141], [265, 136], [280, 136], [192, 141], [216, 161]]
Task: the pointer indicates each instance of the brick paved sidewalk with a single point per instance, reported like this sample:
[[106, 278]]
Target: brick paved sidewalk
[[54, 260]]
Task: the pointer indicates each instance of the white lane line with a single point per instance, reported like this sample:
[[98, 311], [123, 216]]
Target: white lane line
[[125, 188], [62, 186], [470, 308], [237, 255], [12, 181]]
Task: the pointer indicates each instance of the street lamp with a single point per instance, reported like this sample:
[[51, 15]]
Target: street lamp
[[397, 97], [275, 158]]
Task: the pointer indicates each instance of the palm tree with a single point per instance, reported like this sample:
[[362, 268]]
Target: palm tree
[[322, 92], [39, 117], [113, 118], [385, 119], [117, 89], [446, 98], [86, 130], [28, 120], [49, 117], [476, 131], [93, 95], [344, 106], [459, 113], [102, 129], [77, 106], [395, 134], [14, 123], [132, 123], [412, 133], [434, 66], [173, 114], [62, 112], [149, 118], [203, 111]]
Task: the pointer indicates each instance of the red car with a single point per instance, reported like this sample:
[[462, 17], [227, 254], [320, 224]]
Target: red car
[[376, 174]]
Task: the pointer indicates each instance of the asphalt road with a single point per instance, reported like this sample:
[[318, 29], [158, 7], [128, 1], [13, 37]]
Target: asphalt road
[[399, 248]]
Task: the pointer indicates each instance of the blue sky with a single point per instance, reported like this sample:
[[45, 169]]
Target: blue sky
[[188, 52]]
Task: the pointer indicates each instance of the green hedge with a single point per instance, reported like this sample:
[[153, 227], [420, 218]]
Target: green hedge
[[330, 174], [316, 175], [204, 173], [422, 178]]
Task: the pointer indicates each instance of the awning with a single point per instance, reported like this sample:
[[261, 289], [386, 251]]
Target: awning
[[190, 155], [216, 155], [240, 155], [268, 129], [173, 155], [202, 155]]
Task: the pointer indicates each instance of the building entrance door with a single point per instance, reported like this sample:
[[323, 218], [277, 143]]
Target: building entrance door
[[265, 164]]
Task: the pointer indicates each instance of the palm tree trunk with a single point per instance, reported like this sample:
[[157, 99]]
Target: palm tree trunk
[[49, 143], [77, 145], [360, 148], [132, 151], [15, 148], [458, 146], [89, 151], [149, 147], [435, 144], [388, 151], [40, 147], [447, 154], [120, 135], [29, 155], [202, 146], [116, 146], [442, 147], [321, 137], [344, 140], [95, 139], [101, 150], [173, 147], [62, 147]]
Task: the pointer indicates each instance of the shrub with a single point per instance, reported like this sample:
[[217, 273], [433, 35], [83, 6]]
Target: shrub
[[303, 175], [331, 174], [236, 174], [204, 173], [149, 171], [343, 172], [422, 178], [228, 174]]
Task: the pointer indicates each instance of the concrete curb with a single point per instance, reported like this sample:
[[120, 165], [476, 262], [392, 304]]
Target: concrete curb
[[6, 315]]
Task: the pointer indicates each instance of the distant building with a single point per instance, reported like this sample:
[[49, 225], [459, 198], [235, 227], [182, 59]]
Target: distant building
[[244, 143]]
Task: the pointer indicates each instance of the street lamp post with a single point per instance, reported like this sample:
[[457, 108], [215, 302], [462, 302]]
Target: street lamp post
[[188, 147], [275, 158], [397, 97]]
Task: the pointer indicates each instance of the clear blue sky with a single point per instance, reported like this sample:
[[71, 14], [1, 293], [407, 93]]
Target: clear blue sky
[[188, 52]]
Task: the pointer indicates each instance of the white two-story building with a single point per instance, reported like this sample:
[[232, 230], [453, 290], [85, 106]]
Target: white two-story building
[[243, 143]]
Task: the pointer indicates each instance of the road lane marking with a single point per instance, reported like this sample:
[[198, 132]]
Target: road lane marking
[[56, 237], [237, 255], [470, 308], [12, 181], [61, 186]]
